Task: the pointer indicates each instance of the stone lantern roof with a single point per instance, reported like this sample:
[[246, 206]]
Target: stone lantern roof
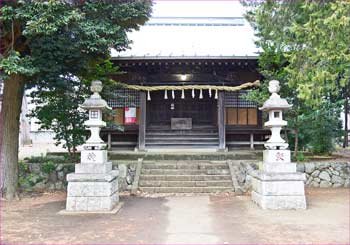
[[275, 101], [95, 101]]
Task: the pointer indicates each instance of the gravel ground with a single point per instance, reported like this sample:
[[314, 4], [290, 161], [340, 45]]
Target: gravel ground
[[184, 219]]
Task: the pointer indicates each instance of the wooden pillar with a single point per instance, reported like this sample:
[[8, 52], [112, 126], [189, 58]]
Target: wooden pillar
[[221, 120], [142, 121]]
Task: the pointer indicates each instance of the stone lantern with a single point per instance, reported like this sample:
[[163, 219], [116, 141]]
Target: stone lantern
[[277, 184], [93, 187], [275, 106], [95, 104]]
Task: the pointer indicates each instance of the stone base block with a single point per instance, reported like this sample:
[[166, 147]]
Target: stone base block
[[84, 203], [90, 168], [112, 211], [278, 167], [276, 156], [92, 192], [91, 189], [278, 188], [279, 202], [264, 176], [74, 177]]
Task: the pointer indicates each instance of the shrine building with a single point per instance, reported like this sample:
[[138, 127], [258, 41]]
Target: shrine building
[[181, 60]]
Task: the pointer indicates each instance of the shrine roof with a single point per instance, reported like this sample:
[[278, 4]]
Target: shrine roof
[[193, 30]]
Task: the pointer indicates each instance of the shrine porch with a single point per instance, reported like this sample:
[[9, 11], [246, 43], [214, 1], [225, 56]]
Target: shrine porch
[[161, 137]]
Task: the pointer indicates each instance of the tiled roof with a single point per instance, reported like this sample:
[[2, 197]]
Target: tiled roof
[[188, 29]]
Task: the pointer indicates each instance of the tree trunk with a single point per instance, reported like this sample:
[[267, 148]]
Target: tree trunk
[[296, 142], [346, 111], [1, 169], [296, 139], [11, 110]]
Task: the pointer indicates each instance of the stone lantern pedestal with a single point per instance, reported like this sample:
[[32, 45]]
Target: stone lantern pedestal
[[277, 184], [93, 187]]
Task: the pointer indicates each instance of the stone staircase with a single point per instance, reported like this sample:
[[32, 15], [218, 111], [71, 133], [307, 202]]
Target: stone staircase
[[202, 137], [185, 177]]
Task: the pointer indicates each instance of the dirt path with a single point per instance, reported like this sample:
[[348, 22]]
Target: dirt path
[[188, 219]]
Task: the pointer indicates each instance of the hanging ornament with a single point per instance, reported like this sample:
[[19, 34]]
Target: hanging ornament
[[148, 95], [216, 94], [209, 92], [193, 94], [200, 94], [173, 94], [165, 94], [183, 94]]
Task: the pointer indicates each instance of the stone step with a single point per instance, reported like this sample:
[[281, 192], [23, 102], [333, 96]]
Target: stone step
[[184, 177], [189, 156], [215, 183], [181, 132], [165, 148], [194, 166], [186, 189], [185, 171], [180, 137], [182, 142]]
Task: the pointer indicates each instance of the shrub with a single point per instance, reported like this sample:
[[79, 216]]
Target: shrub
[[48, 167]]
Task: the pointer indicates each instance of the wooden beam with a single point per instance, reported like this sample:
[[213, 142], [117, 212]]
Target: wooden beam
[[142, 122], [221, 120]]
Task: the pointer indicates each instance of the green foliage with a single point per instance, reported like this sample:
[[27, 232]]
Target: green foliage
[[60, 47], [305, 45], [60, 113], [27, 180], [323, 128], [64, 158], [300, 157], [48, 167], [318, 128], [23, 167], [14, 64]]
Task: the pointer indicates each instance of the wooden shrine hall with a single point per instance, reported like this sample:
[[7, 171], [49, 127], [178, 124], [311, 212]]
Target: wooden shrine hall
[[193, 55], [186, 118]]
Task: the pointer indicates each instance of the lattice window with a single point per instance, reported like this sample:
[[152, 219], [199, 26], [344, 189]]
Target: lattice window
[[125, 98], [234, 99]]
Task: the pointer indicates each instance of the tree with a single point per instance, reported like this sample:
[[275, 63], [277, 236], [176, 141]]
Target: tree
[[57, 108], [305, 46], [45, 42]]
